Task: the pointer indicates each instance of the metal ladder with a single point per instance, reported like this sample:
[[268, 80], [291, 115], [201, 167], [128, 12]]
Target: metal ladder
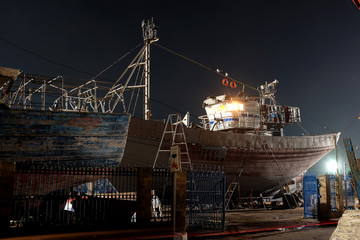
[[174, 128], [229, 193]]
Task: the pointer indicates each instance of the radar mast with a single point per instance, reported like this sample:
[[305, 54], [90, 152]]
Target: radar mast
[[150, 35]]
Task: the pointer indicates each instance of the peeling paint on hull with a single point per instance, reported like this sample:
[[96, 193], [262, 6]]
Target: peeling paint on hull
[[66, 138]]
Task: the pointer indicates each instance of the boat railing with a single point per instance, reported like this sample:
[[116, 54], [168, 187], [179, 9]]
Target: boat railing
[[205, 122], [280, 114], [243, 120]]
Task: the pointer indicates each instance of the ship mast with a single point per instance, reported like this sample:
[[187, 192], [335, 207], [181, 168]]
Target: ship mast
[[150, 35], [85, 97]]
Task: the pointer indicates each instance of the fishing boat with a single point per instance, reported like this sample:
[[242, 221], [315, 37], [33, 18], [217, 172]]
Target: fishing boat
[[241, 134], [35, 134], [254, 154]]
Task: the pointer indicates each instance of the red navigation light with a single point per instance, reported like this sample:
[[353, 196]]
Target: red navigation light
[[357, 3]]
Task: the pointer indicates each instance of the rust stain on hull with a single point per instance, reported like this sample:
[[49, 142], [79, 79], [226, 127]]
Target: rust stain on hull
[[262, 166], [70, 138]]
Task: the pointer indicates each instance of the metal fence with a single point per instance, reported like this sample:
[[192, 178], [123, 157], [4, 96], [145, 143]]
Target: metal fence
[[54, 197], [349, 193], [311, 196], [81, 197], [206, 191]]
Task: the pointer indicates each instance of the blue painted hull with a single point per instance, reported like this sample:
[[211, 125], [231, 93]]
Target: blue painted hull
[[65, 138]]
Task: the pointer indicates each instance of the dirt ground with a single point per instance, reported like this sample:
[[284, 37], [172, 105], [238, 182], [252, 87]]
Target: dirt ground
[[284, 223]]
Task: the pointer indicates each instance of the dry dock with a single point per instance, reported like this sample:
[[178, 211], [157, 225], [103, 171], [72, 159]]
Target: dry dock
[[271, 224], [248, 224]]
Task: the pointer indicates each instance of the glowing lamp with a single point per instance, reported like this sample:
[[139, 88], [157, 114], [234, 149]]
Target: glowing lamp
[[332, 166], [229, 107], [241, 107], [235, 106]]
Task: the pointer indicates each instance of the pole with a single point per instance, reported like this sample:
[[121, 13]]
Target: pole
[[174, 203], [345, 179], [147, 81], [150, 36], [336, 156], [340, 199]]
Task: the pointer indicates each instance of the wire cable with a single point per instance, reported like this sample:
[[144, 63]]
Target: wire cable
[[65, 65], [44, 58], [203, 66], [348, 126], [324, 126], [114, 63]]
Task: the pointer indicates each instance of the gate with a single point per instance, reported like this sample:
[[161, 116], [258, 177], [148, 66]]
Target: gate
[[205, 192], [59, 196], [311, 196], [49, 198]]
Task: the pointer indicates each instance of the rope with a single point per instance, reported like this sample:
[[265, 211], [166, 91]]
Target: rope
[[241, 168], [307, 133], [351, 123], [282, 175], [203, 66], [324, 126], [132, 94], [111, 65]]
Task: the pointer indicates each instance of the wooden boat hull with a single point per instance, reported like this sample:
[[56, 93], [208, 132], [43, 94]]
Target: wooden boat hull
[[65, 138]]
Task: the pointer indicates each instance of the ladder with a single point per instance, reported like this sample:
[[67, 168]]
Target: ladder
[[174, 130], [229, 193]]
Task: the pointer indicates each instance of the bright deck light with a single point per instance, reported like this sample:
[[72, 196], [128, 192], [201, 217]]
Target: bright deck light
[[332, 166], [241, 107]]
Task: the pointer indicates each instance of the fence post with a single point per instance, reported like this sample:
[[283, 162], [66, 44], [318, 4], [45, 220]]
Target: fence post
[[6, 191], [325, 200], [143, 196], [180, 207], [223, 202]]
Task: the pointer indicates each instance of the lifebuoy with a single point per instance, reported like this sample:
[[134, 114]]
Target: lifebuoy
[[233, 84], [225, 82]]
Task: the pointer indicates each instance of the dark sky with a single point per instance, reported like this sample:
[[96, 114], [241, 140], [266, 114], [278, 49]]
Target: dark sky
[[311, 47]]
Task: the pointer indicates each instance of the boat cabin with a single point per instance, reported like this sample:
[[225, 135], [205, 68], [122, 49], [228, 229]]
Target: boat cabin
[[247, 114], [226, 112]]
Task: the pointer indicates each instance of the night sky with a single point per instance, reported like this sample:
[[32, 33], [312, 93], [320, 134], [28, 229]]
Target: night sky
[[311, 47]]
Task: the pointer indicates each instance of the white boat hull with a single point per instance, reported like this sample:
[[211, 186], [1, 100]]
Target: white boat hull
[[257, 162]]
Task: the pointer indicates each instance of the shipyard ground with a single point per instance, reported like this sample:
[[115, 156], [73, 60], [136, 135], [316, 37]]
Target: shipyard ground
[[248, 224], [271, 224]]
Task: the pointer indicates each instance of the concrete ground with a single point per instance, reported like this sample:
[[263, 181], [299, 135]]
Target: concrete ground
[[271, 224], [314, 233], [249, 224], [348, 227]]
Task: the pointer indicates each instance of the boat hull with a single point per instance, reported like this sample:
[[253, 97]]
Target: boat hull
[[257, 162], [65, 138]]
